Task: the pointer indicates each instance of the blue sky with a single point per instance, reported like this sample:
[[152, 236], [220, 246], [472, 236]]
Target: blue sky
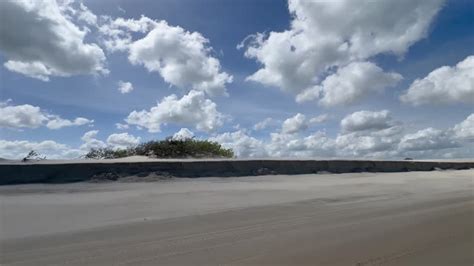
[[389, 52]]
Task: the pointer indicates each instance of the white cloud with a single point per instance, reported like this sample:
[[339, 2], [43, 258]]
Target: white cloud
[[310, 94], [40, 41], [115, 141], [292, 145], [183, 134], [29, 116], [366, 144], [444, 85], [294, 124], [57, 122], [372, 134], [35, 70], [181, 57], [242, 144], [319, 119], [465, 129], [89, 135], [192, 109], [117, 33], [21, 116], [125, 87], [263, 124], [280, 145], [349, 84], [325, 35], [122, 140], [367, 120], [91, 142], [427, 139], [122, 126], [362, 138], [86, 15], [382, 140], [18, 149]]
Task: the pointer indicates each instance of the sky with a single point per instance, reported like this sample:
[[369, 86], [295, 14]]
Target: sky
[[270, 78]]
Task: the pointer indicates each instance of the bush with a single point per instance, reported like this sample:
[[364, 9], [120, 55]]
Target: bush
[[108, 153], [33, 155], [168, 148]]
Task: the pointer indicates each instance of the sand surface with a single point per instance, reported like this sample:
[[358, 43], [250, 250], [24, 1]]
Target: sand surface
[[138, 159], [412, 218]]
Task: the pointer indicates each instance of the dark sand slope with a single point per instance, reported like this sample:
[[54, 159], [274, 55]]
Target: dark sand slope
[[415, 218], [16, 172]]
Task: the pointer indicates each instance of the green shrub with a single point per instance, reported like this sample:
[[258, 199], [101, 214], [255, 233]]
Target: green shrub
[[168, 148], [108, 153]]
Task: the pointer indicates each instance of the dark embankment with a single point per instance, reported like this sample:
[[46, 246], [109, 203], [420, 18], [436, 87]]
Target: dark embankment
[[21, 173]]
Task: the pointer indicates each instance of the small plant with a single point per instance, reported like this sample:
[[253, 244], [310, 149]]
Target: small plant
[[33, 155]]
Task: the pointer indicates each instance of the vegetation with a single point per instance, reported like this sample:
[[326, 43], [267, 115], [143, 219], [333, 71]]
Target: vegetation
[[109, 153], [168, 148], [33, 155]]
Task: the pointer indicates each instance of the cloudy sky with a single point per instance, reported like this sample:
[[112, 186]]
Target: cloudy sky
[[296, 78]]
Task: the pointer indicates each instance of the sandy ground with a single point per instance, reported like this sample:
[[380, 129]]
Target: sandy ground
[[413, 218], [137, 158]]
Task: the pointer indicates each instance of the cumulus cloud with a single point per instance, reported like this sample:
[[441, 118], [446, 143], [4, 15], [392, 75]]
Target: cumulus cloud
[[444, 85], [53, 150], [428, 139], [361, 138], [367, 144], [369, 134], [317, 144], [29, 116], [181, 57], [279, 145], [192, 109], [125, 87], [319, 119], [349, 84], [319, 40], [57, 122], [117, 33], [21, 116], [122, 140], [18, 149], [122, 126], [387, 141], [242, 144], [294, 124], [465, 129], [366, 120], [91, 142], [114, 141], [183, 134], [263, 124], [86, 15], [40, 41]]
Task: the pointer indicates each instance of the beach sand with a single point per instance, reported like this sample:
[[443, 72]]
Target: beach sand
[[410, 218]]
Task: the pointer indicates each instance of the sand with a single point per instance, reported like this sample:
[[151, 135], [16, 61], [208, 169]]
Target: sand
[[138, 159], [55, 172], [414, 218]]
